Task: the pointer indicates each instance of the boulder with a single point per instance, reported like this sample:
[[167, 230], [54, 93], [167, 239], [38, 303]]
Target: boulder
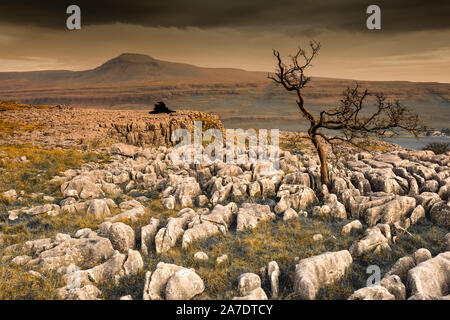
[[200, 256], [401, 267], [302, 199], [132, 214], [250, 214], [373, 238], [123, 149], [155, 283], [440, 214], [82, 187], [134, 263], [355, 224], [218, 221], [431, 277], [273, 272], [184, 285], [122, 236], [98, 208], [417, 214], [110, 271], [289, 214], [248, 282], [421, 255], [167, 237], [446, 242], [148, 234], [390, 212], [88, 292], [84, 253], [395, 286], [316, 272], [372, 293], [256, 294]]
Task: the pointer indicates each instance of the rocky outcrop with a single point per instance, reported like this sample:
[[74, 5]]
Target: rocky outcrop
[[316, 272], [172, 282], [374, 239], [431, 278], [250, 214]]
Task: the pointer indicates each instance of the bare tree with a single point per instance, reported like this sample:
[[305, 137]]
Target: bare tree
[[352, 118]]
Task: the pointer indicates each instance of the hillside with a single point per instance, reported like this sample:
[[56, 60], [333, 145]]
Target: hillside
[[240, 98]]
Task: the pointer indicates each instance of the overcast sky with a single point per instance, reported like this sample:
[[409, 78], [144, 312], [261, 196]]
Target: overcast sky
[[413, 44]]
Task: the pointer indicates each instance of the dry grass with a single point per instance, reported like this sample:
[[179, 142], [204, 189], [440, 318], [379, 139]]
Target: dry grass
[[42, 166], [16, 283], [247, 251], [14, 105], [9, 128], [295, 144]]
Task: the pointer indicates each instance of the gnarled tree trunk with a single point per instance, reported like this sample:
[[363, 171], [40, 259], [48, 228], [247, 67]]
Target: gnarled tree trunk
[[324, 176]]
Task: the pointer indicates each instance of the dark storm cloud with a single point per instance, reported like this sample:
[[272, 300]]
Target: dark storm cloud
[[397, 16]]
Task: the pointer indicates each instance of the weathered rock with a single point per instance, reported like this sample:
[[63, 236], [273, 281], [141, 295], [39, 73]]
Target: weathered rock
[[123, 149], [289, 214], [200, 256], [302, 199], [315, 272], [110, 271], [248, 282], [421, 255], [122, 236], [395, 286], [401, 267], [431, 277], [222, 259], [10, 195], [372, 293], [134, 263], [440, 214], [21, 260], [332, 207], [219, 220], [88, 292], [446, 242], [417, 214], [390, 212], [148, 234], [82, 187], [129, 204], [98, 208], [155, 283], [35, 247], [250, 214], [355, 224], [273, 272], [84, 253], [257, 294], [184, 285], [132, 214], [167, 237], [372, 239], [169, 203], [317, 237]]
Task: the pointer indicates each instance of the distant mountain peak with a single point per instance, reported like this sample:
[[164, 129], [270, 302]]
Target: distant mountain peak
[[134, 57], [130, 59]]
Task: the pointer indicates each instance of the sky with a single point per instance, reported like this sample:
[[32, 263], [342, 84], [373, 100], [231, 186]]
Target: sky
[[413, 43]]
